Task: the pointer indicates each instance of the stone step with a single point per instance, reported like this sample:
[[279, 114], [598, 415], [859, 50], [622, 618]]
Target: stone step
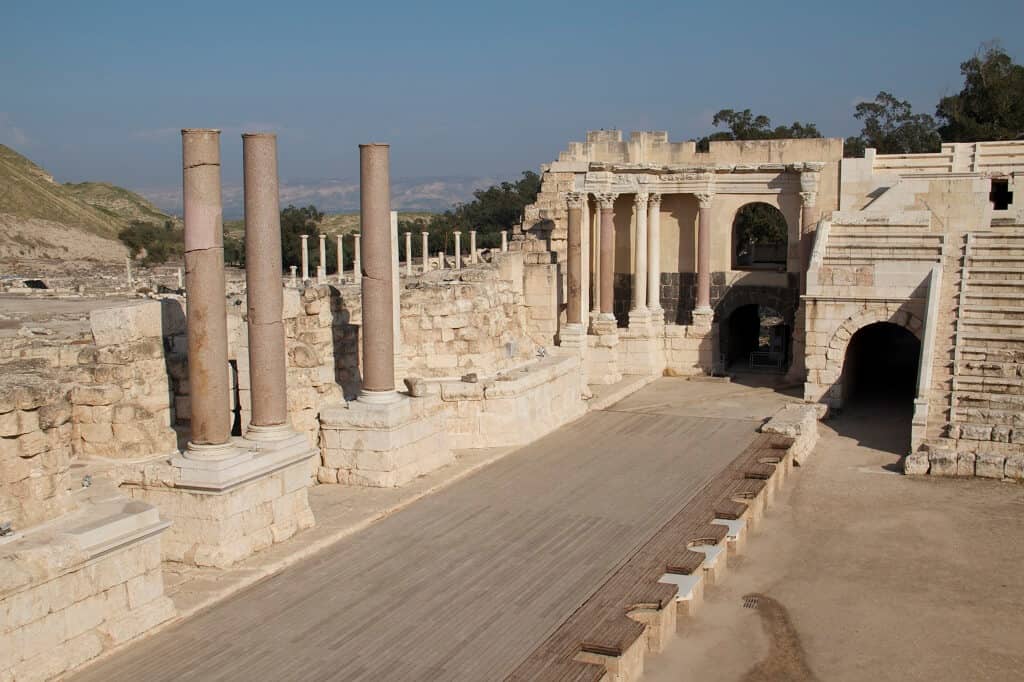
[[877, 239], [994, 340], [988, 415]]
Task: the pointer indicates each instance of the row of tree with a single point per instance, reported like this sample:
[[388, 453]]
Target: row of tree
[[990, 106]]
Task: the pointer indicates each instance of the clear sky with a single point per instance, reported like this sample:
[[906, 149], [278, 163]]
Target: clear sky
[[99, 90]]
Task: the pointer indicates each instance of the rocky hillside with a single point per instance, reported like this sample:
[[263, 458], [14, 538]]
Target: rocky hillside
[[42, 218]]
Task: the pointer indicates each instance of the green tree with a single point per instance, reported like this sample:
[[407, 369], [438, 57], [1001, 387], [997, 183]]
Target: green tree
[[297, 221], [492, 210], [890, 126], [744, 125], [990, 106], [156, 242]]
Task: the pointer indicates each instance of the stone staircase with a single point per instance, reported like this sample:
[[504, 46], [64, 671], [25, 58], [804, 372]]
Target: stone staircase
[[864, 243], [987, 401]]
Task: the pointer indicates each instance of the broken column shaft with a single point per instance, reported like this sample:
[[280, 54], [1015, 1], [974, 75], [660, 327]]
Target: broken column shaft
[[264, 295], [204, 283]]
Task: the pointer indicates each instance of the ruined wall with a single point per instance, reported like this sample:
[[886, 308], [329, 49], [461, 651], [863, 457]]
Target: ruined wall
[[103, 393]]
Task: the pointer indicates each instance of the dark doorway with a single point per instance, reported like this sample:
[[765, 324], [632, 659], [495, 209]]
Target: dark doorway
[[881, 365], [756, 339]]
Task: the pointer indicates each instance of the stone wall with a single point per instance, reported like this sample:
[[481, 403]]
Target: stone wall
[[104, 393]]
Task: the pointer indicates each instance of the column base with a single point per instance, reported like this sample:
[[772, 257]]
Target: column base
[[573, 335], [639, 318], [602, 357], [225, 510], [703, 318], [382, 444]]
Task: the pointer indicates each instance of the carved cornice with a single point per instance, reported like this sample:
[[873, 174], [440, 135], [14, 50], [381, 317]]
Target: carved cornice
[[574, 199], [704, 198]]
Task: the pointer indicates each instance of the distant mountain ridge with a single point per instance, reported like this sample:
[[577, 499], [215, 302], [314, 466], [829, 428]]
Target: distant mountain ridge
[[430, 195]]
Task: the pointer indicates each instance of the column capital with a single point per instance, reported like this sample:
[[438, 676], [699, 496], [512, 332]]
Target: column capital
[[704, 198], [809, 179], [574, 199], [640, 199], [303, 236], [808, 199], [654, 198], [606, 199]]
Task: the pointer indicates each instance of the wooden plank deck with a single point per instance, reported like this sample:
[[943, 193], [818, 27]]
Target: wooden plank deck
[[464, 584]]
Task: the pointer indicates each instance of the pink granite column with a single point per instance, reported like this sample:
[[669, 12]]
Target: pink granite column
[[704, 252], [378, 306], [264, 295], [607, 202], [204, 284], [574, 272]]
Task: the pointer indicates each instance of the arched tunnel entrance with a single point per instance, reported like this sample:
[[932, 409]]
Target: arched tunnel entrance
[[756, 339], [881, 366]]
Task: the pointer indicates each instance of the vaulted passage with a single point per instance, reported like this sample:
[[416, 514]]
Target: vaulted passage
[[756, 338], [881, 366]]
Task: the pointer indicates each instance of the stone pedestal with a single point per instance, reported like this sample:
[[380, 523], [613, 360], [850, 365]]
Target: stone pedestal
[[602, 361], [224, 510], [82, 584], [383, 445]]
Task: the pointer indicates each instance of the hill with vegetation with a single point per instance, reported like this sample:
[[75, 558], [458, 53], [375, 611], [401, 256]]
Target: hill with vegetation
[[46, 219]]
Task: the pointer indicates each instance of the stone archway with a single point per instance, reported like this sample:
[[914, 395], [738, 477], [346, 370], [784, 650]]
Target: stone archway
[[838, 345], [782, 300], [759, 237]]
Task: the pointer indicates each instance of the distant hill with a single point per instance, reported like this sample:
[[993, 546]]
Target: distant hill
[[45, 219], [119, 203]]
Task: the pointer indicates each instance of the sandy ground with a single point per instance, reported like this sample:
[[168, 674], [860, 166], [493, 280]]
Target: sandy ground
[[861, 573]]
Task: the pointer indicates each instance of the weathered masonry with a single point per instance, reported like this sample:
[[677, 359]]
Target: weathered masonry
[[161, 432]]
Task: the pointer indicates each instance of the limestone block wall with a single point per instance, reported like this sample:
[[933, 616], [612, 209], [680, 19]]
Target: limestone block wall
[[66, 613], [689, 350], [514, 407], [35, 444], [103, 394]]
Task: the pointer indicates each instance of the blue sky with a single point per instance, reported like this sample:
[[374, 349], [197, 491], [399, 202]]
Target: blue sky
[[99, 90]]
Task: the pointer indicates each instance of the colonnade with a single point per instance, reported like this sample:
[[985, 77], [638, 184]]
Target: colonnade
[[646, 253]]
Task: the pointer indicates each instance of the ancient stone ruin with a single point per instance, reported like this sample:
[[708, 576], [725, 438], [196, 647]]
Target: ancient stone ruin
[[188, 429]]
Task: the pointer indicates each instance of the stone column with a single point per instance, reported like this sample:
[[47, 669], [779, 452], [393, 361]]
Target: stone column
[[128, 269], [440, 260], [595, 263], [704, 252], [181, 279], [574, 275], [607, 202], [458, 249], [357, 257], [638, 314], [295, 282], [204, 283], [585, 258], [377, 294], [504, 240], [654, 258], [321, 273], [341, 259], [305, 256], [425, 251], [472, 246], [809, 216], [264, 295], [408, 253]]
